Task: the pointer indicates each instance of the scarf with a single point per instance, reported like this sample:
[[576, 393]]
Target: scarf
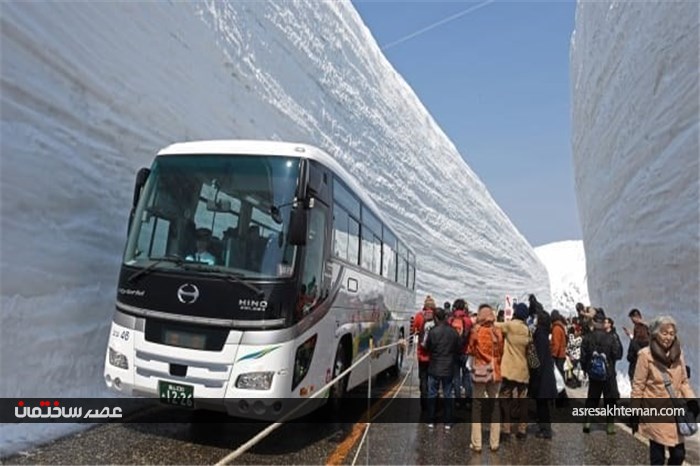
[[660, 355]]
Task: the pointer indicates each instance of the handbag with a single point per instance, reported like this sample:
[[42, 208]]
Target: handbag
[[482, 374], [686, 421], [533, 362]]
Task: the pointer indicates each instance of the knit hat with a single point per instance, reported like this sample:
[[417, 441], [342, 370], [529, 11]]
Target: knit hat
[[520, 312], [429, 303]]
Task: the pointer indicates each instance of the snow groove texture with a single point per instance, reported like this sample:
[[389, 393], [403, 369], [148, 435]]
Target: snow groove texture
[[634, 67], [89, 93]]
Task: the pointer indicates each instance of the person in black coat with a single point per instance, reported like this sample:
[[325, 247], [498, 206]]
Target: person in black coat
[[543, 385], [601, 342], [443, 345]]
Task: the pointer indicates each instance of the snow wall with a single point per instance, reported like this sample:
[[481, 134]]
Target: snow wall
[[636, 116]]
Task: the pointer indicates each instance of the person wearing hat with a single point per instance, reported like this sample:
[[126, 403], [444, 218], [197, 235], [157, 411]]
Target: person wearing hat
[[420, 329], [202, 254], [515, 372], [600, 349]]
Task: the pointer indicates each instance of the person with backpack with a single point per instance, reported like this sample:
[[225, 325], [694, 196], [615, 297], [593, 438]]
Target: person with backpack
[[462, 324], [485, 350], [599, 350], [443, 347], [422, 323]]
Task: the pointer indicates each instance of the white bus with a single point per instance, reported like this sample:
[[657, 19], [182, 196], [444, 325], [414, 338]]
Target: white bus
[[253, 273]]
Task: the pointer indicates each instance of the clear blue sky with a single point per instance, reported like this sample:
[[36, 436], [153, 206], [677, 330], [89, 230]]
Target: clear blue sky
[[496, 80]]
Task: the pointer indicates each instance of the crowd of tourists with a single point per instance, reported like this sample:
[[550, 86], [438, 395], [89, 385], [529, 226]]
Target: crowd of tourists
[[492, 362]]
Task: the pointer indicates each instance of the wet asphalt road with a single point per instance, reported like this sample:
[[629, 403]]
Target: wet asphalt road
[[182, 442]]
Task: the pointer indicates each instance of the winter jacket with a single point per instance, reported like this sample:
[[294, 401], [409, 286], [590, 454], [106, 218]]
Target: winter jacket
[[443, 348], [543, 385], [418, 323], [481, 347], [649, 383], [558, 343], [640, 339], [467, 325], [514, 362], [601, 342]]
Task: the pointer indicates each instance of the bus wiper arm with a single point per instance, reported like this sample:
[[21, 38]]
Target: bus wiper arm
[[158, 260], [233, 278], [229, 276]]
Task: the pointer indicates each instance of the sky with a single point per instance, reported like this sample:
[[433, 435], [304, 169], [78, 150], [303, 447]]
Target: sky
[[495, 76]]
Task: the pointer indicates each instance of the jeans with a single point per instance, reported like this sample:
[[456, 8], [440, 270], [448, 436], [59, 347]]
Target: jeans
[[462, 379], [434, 383], [657, 453], [423, 383]]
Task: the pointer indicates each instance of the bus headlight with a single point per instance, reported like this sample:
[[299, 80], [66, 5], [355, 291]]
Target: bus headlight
[[118, 359], [255, 380]]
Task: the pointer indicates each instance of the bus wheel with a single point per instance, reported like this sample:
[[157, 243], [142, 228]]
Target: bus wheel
[[337, 391], [395, 370]]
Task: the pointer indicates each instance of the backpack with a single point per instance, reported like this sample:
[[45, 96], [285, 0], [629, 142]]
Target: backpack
[[457, 323], [599, 367], [485, 373]]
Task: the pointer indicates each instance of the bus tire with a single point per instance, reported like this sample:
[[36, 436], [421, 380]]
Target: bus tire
[[338, 390]]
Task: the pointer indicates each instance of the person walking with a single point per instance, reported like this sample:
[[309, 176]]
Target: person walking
[[639, 338], [558, 343], [543, 386], [443, 347], [659, 364], [422, 322], [462, 324], [599, 351], [485, 350], [515, 372]]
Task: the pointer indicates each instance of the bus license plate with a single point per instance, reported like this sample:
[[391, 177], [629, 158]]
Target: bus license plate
[[176, 394]]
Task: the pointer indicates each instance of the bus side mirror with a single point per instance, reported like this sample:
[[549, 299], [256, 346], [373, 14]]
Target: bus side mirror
[[298, 226], [141, 178]]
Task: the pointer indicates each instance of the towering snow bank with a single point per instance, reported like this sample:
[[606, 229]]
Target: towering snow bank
[[89, 93], [635, 143], [566, 264]]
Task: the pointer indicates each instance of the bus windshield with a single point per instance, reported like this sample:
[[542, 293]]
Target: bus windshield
[[216, 211]]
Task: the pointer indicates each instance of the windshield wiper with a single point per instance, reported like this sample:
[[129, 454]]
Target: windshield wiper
[[229, 276], [158, 260]]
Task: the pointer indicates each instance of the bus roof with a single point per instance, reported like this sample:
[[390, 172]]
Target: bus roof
[[287, 149]]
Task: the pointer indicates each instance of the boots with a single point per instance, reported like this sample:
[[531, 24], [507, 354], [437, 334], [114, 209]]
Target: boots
[[610, 429]]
